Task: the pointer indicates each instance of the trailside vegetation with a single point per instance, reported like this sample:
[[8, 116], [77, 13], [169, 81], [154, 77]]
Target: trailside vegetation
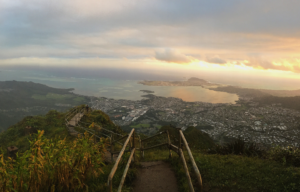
[[47, 162], [53, 165]]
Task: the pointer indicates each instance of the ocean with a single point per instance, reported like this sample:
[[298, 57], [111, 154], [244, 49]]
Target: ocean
[[116, 84]]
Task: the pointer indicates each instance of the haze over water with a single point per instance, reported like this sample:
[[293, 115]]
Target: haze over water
[[116, 86], [122, 84]]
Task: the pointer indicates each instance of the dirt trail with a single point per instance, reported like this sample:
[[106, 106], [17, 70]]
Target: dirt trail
[[155, 176]]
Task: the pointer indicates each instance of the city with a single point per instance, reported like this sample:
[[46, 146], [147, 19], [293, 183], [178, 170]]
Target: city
[[247, 119]]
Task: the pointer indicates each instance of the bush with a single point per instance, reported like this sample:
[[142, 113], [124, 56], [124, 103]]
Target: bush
[[238, 147], [53, 165], [289, 156]]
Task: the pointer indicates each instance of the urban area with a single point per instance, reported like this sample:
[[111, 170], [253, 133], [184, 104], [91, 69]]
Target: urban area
[[247, 119]]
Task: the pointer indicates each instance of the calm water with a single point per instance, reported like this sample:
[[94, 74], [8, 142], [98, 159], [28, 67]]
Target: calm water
[[117, 88]]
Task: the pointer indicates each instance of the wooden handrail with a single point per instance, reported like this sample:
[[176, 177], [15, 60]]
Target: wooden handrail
[[114, 141], [186, 170], [126, 170], [143, 140], [195, 167], [104, 129], [159, 145], [114, 169], [142, 145]]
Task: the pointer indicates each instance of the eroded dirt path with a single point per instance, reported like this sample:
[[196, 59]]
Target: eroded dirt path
[[155, 176]]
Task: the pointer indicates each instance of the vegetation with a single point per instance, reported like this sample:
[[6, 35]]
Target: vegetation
[[141, 126], [286, 102], [196, 139], [21, 99], [238, 147], [289, 156], [46, 162], [53, 123], [53, 165], [99, 118]]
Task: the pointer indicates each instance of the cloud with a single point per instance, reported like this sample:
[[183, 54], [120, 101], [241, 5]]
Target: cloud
[[216, 60], [78, 29], [172, 56], [259, 63]]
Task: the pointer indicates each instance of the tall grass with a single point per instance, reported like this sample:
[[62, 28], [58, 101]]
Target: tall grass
[[289, 156], [53, 165], [238, 147]]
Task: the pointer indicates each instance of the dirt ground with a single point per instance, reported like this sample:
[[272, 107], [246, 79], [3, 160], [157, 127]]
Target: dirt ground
[[155, 176]]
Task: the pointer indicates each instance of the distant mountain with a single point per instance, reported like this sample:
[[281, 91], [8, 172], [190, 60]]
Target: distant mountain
[[194, 79], [20, 99], [190, 82]]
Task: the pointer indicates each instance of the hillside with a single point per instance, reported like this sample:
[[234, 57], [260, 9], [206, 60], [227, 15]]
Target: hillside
[[53, 125], [277, 170], [197, 139], [286, 102], [21, 99]]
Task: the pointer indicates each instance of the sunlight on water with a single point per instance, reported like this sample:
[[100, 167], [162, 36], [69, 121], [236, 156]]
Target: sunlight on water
[[120, 89]]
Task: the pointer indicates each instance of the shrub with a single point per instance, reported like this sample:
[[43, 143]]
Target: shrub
[[53, 165], [238, 147], [289, 156]]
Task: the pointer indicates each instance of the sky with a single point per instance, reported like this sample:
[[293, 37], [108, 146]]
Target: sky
[[244, 37]]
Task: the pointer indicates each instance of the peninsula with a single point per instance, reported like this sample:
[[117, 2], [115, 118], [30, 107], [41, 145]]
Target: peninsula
[[190, 82]]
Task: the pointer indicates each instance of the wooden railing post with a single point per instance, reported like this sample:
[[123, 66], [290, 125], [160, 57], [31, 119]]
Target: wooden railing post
[[112, 148], [169, 142], [186, 171], [179, 147], [140, 141], [195, 167], [143, 152], [133, 145], [114, 169]]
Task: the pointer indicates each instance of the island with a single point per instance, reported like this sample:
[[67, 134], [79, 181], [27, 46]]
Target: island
[[190, 82]]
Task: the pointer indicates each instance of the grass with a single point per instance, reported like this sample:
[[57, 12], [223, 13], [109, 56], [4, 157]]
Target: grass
[[232, 172], [53, 165], [52, 96], [141, 126], [60, 98], [79, 99], [43, 166], [240, 173], [227, 172]]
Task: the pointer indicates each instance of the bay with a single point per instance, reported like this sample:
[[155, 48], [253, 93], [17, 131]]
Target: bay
[[118, 88]]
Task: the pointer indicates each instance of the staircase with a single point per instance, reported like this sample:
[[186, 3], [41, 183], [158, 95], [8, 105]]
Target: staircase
[[154, 176]]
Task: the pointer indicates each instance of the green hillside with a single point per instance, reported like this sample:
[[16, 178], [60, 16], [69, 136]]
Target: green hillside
[[51, 160], [196, 139], [53, 124], [21, 99]]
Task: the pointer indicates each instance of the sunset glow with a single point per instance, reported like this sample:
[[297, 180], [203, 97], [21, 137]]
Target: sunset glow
[[243, 36]]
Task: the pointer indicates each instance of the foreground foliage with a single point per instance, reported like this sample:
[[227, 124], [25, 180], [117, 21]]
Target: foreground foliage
[[289, 156], [53, 165], [238, 147], [231, 173]]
